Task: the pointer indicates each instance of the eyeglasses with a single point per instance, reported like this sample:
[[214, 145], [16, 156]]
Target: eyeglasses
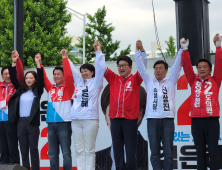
[[158, 68], [124, 66]]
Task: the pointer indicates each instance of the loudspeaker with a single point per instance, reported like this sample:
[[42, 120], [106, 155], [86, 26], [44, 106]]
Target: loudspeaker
[[192, 17], [11, 167]]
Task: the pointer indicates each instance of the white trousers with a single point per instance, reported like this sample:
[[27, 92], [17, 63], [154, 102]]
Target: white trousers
[[84, 135]]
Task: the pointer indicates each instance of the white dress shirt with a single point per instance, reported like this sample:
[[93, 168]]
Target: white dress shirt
[[25, 104], [160, 101]]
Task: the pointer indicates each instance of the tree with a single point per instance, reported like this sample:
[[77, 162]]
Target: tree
[[171, 47], [98, 29], [44, 31]]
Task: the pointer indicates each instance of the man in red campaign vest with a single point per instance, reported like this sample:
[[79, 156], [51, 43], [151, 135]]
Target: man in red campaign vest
[[124, 110], [205, 109]]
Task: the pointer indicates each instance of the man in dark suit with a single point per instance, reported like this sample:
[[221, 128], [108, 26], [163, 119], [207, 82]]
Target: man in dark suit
[[105, 157]]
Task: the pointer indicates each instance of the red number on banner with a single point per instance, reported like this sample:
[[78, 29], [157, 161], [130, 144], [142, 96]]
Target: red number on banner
[[44, 150], [183, 117]]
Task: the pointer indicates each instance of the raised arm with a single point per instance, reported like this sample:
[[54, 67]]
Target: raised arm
[[67, 73], [187, 66], [109, 75], [40, 77], [217, 40], [144, 57], [20, 71], [19, 67], [141, 62], [218, 59], [100, 65], [47, 84], [12, 70], [176, 68], [139, 47], [75, 75]]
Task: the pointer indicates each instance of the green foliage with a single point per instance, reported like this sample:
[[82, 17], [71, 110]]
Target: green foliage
[[122, 52], [171, 47], [44, 31], [98, 30]]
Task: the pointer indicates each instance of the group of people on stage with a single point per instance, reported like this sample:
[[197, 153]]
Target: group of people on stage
[[20, 109]]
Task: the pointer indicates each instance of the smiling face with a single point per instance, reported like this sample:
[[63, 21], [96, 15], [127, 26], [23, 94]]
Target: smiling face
[[160, 72], [124, 68], [30, 80], [6, 76], [58, 77], [203, 70], [86, 74]]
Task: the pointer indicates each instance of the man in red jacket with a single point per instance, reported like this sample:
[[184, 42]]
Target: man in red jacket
[[124, 110], [205, 105], [9, 152]]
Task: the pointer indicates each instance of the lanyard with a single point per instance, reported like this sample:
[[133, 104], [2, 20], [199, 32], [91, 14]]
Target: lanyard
[[6, 90]]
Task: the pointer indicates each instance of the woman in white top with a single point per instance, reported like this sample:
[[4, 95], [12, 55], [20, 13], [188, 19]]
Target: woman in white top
[[24, 108], [85, 109]]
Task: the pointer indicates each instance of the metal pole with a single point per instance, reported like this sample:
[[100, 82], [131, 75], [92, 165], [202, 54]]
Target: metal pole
[[15, 24], [18, 27], [84, 20], [84, 25]]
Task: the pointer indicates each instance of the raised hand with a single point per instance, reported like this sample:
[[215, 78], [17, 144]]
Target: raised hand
[[38, 58], [15, 56], [184, 43], [97, 46], [64, 53], [139, 45], [217, 40]]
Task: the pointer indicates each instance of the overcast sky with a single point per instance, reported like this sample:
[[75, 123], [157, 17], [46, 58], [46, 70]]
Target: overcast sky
[[133, 19]]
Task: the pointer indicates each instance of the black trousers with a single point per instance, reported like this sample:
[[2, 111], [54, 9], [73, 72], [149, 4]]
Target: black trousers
[[28, 136], [124, 133], [206, 131], [8, 143]]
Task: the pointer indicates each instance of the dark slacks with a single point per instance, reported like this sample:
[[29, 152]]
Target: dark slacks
[[28, 136], [124, 132], [161, 129], [8, 143], [206, 131]]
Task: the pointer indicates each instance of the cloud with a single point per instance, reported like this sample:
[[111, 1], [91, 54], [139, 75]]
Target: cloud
[[134, 19]]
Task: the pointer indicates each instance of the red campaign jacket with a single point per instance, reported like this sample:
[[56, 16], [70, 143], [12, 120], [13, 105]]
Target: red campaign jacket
[[10, 89], [204, 95], [124, 95], [59, 99], [6, 92]]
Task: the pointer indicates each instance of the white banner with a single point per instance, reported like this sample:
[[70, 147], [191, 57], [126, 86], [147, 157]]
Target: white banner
[[184, 152]]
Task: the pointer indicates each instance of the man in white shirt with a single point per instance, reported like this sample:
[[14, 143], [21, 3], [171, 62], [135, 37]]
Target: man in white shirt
[[160, 108]]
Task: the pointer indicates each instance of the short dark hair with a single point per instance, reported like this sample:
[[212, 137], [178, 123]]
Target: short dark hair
[[24, 85], [3, 68], [204, 60], [58, 68], [161, 62], [88, 66], [105, 100], [125, 58]]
